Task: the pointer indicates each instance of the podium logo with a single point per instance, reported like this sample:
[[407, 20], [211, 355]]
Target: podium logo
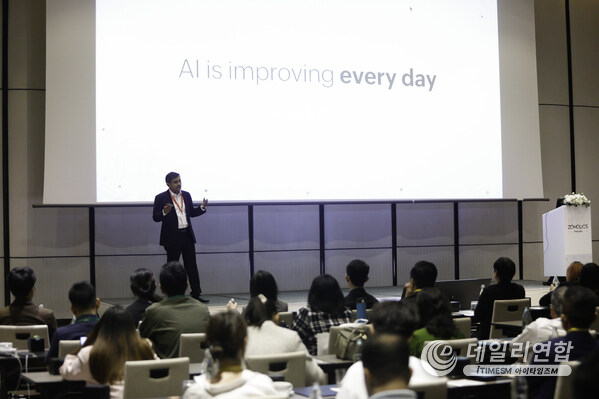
[[578, 226]]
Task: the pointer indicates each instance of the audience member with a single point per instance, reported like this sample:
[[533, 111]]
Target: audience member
[[265, 337], [504, 269], [589, 277], [325, 309], [143, 286], [111, 343], [262, 282], [422, 275], [386, 369], [572, 275], [398, 318], [543, 329], [584, 379], [84, 306], [356, 274], [435, 317], [578, 312], [22, 312], [164, 321], [226, 337]]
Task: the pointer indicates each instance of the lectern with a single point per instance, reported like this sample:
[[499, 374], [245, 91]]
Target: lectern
[[566, 238]]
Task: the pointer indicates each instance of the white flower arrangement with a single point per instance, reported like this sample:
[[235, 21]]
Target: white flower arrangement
[[575, 199]]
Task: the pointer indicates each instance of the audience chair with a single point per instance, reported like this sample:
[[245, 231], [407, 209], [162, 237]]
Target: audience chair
[[155, 378], [286, 318], [433, 389], [506, 312], [190, 345], [68, 347], [464, 325], [103, 308], [291, 365], [563, 387], [18, 335]]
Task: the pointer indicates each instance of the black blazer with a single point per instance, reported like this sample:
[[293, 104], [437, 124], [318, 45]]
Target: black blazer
[[170, 227]]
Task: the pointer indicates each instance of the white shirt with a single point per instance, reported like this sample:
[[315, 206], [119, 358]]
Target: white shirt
[[181, 214], [249, 384], [540, 330]]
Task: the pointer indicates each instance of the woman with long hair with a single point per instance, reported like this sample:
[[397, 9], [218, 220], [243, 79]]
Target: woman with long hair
[[226, 337], [111, 343], [325, 309], [265, 337], [262, 282], [435, 315]]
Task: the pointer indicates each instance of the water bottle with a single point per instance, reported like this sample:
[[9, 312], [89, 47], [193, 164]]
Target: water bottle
[[358, 351], [315, 394], [555, 282]]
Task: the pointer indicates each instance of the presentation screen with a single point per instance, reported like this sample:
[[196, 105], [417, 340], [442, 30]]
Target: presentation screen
[[286, 100]]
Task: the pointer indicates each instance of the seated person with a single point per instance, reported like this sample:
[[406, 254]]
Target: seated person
[[435, 316], [398, 318], [143, 286], [386, 369], [265, 337], [22, 312], [578, 313], [356, 274], [572, 275], [584, 379], [262, 282], [111, 343], [422, 275], [543, 329], [589, 277], [84, 306], [504, 269], [164, 321], [226, 337], [325, 309]]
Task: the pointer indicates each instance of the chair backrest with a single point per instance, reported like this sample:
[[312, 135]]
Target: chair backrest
[[430, 389], [286, 317], [506, 310], [463, 324], [68, 347], [292, 366], [18, 335], [103, 308], [563, 387], [155, 378], [190, 345]]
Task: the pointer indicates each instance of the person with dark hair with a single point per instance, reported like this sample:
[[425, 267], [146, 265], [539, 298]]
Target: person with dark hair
[[356, 275], [265, 337], [226, 338], [111, 343], [262, 282], [435, 316], [22, 312], [584, 379], [325, 309], [386, 370], [176, 233], [164, 321], [572, 277], [84, 306], [143, 286], [504, 269], [578, 313], [390, 317], [422, 275], [589, 277]]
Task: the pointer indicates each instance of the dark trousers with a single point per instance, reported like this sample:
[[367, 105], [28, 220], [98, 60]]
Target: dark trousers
[[187, 247]]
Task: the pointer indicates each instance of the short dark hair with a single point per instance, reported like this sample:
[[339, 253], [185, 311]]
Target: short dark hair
[[325, 295], [173, 278], [424, 274], [387, 357], [20, 281], [357, 270], [82, 296], [584, 378], [170, 176], [262, 282], [589, 276], [143, 284], [579, 306], [394, 317], [505, 269]]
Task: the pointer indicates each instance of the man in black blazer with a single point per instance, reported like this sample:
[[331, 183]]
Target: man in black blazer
[[176, 233]]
